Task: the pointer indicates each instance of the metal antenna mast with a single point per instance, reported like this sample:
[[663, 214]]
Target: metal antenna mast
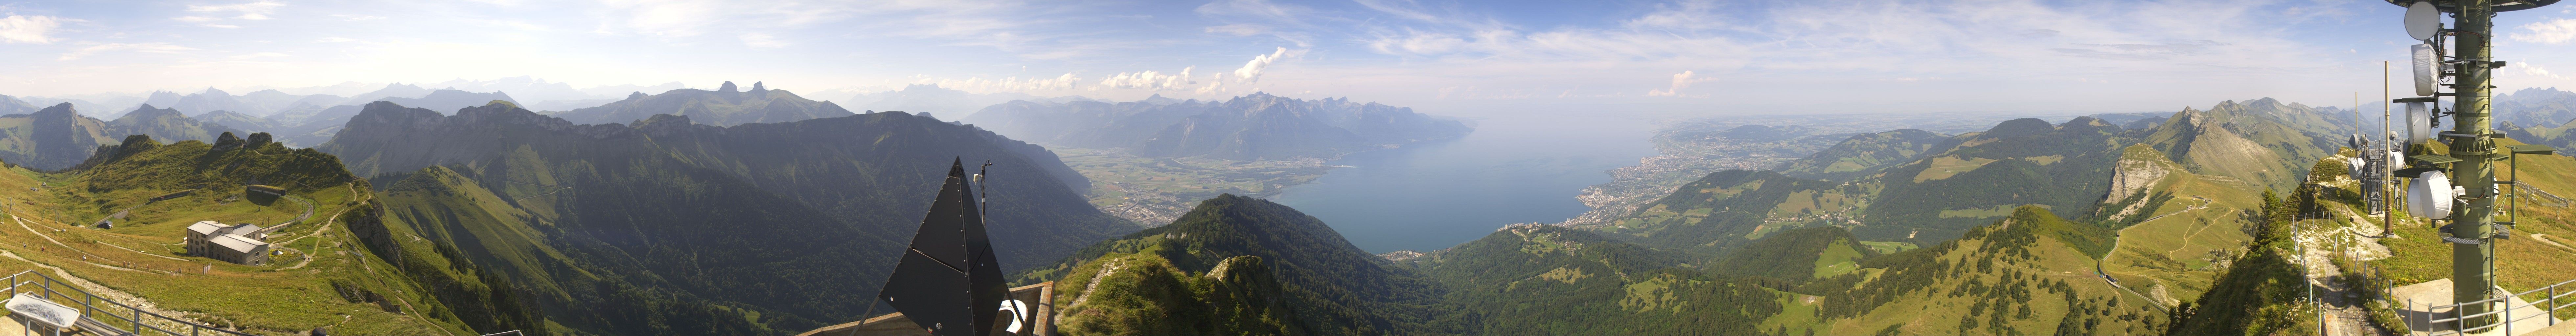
[[2473, 151]]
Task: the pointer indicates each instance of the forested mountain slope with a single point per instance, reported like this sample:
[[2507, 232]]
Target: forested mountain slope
[[791, 220]]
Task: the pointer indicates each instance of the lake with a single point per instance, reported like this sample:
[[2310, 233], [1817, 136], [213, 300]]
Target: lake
[[1519, 168]]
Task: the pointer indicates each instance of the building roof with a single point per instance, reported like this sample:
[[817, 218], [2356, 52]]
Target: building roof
[[206, 227], [238, 243], [243, 228]]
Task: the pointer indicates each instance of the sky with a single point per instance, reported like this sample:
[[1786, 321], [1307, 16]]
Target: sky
[[1712, 57]]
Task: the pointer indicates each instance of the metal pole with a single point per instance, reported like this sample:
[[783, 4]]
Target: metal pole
[[2472, 270], [2387, 178]]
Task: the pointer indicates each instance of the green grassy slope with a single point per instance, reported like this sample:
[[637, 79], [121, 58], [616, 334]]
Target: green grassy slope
[[2025, 274], [1332, 287], [323, 277], [1142, 293], [1551, 280], [2019, 162], [1865, 154], [1736, 206]]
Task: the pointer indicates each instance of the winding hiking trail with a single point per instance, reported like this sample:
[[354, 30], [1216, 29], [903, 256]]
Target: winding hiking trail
[[2103, 273]]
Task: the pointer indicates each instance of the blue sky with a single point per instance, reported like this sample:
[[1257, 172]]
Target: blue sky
[[1692, 56]]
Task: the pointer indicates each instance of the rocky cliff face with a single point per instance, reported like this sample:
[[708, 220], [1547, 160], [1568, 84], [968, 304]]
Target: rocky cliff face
[[2139, 169]]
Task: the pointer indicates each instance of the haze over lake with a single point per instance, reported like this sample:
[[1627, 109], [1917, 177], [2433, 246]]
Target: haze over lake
[[1517, 168]]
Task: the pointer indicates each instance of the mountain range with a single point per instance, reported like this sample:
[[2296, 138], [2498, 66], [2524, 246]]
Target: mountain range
[[798, 221], [1251, 127], [725, 106]]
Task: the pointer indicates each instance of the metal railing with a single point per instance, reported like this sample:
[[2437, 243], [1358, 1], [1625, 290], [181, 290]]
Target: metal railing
[[2547, 308], [120, 319], [2546, 198]]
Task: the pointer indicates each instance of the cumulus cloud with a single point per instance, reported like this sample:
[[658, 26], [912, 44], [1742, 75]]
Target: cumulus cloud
[[150, 47], [258, 10], [1680, 81], [1149, 79], [2550, 32], [28, 29], [1251, 71]]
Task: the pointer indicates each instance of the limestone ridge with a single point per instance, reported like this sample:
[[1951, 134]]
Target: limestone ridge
[[2248, 142], [726, 106], [2140, 168], [1257, 126]]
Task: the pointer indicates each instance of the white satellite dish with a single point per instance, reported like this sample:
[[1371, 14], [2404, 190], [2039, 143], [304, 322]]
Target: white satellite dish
[[2425, 69], [2419, 123], [2422, 20], [2430, 196]]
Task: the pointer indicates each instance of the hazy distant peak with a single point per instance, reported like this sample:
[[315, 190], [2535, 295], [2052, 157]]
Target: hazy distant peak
[[756, 87], [728, 87], [928, 88]]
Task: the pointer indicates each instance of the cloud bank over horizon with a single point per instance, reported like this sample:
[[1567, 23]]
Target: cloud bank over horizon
[[1699, 56]]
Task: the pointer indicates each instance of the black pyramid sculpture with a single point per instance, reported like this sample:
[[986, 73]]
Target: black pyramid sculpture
[[949, 282]]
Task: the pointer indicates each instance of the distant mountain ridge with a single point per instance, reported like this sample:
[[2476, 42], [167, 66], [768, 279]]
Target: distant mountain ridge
[[726, 106], [1257, 126]]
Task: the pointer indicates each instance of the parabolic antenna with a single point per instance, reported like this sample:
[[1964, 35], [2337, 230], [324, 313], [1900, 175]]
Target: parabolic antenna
[[2419, 123], [2453, 6], [2425, 69], [2422, 20], [2430, 196]]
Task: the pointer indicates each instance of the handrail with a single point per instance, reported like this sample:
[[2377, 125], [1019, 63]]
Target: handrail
[[2554, 294], [135, 322]]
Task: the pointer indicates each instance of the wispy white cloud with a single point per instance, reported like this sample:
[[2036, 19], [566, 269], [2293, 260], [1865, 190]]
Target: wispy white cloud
[[2552, 32], [37, 29], [224, 26], [1239, 29], [149, 47], [762, 41], [1256, 9], [356, 17], [257, 10], [1006, 84]]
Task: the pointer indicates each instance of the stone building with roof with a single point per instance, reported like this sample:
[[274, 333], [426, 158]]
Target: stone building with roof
[[239, 244]]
